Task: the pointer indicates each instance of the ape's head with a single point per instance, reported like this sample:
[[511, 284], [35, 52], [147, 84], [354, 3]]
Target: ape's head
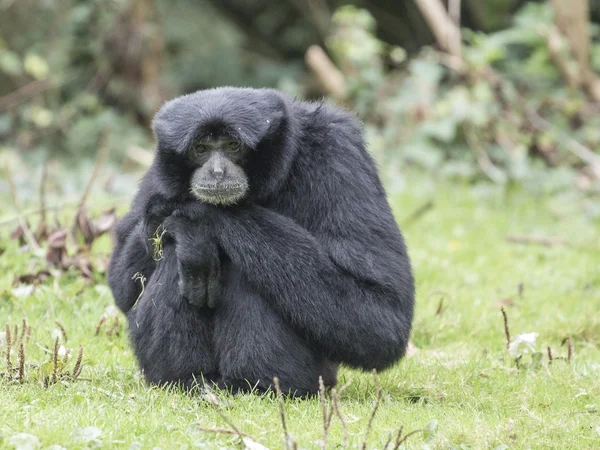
[[225, 143]]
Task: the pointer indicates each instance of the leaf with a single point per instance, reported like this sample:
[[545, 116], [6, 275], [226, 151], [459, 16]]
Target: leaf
[[41, 117], [104, 223], [36, 66], [32, 278], [10, 63]]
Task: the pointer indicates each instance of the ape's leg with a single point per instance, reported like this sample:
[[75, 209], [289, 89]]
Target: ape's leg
[[172, 339], [253, 344]]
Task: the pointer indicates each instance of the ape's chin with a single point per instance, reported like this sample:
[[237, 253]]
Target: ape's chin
[[220, 195]]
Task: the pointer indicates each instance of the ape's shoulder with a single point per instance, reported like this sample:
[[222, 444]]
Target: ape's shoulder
[[326, 117]]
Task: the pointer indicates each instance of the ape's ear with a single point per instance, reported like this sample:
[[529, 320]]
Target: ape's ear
[[275, 111], [171, 129]]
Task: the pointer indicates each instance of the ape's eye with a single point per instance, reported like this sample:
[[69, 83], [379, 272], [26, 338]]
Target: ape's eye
[[201, 147], [234, 146]]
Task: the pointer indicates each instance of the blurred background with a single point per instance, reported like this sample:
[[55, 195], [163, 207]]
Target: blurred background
[[500, 92]]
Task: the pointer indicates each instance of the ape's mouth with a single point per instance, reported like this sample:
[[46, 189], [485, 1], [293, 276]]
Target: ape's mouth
[[219, 194]]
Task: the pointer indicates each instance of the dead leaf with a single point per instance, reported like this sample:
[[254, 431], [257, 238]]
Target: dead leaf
[[104, 223], [31, 278]]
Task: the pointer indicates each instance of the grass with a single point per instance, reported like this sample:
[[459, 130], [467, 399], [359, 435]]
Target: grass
[[461, 384]]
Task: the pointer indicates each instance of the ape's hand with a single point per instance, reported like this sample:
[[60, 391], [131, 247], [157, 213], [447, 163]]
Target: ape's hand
[[199, 268], [156, 211]]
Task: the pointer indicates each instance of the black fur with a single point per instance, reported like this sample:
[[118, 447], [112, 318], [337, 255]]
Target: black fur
[[313, 268]]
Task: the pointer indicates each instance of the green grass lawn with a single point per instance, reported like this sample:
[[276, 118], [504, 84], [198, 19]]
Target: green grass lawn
[[461, 383]]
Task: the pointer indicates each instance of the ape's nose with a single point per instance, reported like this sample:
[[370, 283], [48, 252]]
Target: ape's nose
[[218, 171]]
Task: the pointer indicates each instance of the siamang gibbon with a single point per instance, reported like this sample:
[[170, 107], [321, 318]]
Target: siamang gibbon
[[279, 256]]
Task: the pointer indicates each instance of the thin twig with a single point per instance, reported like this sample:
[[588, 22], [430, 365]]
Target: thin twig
[[220, 431], [8, 347], [215, 402], [286, 435], [548, 241], [375, 408], [387, 443], [454, 12], [62, 329], [335, 396], [329, 75], [24, 93], [445, 30], [102, 153], [418, 213], [575, 147], [406, 436], [506, 329], [326, 416], [36, 211]]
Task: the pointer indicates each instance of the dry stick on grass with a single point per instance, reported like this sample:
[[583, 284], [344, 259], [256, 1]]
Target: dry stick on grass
[[29, 237], [289, 441], [326, 420], [399, 441], [548, 241], [215, 402], [61, 327], [442, 294], [335, 396], [327, 415], [219, 430], [418, 213], [375, 408], [8, 347], [506, 330]]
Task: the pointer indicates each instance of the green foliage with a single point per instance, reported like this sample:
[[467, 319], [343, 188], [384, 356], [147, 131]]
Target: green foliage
[[482, 121], [57, 83]]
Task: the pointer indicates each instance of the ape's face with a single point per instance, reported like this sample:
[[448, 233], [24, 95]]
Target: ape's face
[[219, 178], [224, 144]]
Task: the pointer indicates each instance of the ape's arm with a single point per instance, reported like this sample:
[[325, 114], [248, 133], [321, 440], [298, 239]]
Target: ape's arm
[[129, 258], [347, 285]]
